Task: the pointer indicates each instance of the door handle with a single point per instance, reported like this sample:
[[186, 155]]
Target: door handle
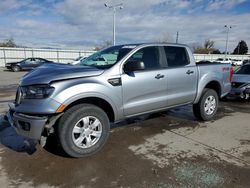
[[189, 72], [159, 76]]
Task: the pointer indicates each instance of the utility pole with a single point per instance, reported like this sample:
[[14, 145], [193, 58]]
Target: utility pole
[[228, 28], [177, 37], [239, 48], [114, 7]]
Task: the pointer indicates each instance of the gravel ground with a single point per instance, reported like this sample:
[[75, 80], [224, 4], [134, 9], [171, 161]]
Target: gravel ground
[[169, 149]]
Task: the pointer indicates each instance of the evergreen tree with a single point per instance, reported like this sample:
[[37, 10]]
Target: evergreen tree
[[241, 48]]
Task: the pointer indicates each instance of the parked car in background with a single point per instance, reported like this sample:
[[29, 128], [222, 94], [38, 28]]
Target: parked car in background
[[77, 60], [223, 60], [241, 82], [237, 62], [111, 85], [203, 62], [246, 61], [206, 62], [26, 64]]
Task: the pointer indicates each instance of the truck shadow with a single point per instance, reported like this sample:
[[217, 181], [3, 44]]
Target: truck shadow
[[10, 139], [181, 117]]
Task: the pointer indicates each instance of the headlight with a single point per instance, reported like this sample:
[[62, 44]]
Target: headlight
[[37, 91]]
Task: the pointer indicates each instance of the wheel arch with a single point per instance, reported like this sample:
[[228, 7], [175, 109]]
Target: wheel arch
[[108, 108], [213, 84]]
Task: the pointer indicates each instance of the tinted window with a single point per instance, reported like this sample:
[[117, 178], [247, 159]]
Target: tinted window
[[246, 61], [176, 56], [243, 70], [38, 61], [28, 61], [149, 56]]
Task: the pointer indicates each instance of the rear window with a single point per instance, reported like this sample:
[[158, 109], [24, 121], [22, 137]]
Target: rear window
[[243, 70], [176, 56]]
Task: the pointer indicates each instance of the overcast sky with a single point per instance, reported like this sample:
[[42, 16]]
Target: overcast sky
[[86, 23]]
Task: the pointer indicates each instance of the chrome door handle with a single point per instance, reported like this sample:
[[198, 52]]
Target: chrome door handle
[[159, 76], [189, 72]]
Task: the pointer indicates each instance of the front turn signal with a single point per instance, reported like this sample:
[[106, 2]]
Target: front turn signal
[[61, 108]]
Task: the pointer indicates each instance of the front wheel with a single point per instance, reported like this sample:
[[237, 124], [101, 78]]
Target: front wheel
[[207, 106], [83, 130], [16, 68]]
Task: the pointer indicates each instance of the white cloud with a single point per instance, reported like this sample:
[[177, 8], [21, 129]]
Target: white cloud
[[7, 5], [223, 4], [86, 23]]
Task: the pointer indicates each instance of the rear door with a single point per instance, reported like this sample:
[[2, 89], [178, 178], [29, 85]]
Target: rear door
[[181, 75], [145, 90]]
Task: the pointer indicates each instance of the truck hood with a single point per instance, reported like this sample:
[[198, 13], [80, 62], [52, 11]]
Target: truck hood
[[242, 78], [53, 72]]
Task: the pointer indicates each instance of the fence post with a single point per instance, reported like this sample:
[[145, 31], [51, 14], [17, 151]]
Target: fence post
[[4, 56], [57, 54], [24, 51], [32, 52]]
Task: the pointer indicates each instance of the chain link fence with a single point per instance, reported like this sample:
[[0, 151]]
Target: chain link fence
[[66, 56], [57, 55]]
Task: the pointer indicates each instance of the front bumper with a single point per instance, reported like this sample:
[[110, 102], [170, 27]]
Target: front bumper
[[8, 66], [26, 125]]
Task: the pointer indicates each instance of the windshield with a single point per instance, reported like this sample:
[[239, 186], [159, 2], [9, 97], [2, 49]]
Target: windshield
[[107, 58], [243, 70]]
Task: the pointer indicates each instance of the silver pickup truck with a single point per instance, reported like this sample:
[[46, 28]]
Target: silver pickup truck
[[78, 102]]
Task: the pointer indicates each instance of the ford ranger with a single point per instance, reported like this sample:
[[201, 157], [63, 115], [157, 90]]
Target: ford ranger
[[78, 102]]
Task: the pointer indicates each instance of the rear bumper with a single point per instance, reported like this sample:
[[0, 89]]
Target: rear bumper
[[26, 125], [239, 92]]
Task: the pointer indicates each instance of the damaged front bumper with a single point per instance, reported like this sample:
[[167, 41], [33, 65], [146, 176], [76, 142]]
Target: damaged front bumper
[[30, 126]]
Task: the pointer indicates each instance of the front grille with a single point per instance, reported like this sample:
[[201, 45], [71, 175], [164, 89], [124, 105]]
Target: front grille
[[18, 96], [237, 84]]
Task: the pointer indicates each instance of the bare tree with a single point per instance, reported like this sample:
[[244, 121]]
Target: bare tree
[[105, 44], [166, 37], [195, 46], [209, 44], [8, 43], [208, 47]]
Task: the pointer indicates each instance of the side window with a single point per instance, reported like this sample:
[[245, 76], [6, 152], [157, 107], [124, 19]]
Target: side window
[[176, 56], [38, 61], [149, 56], [28, 61]]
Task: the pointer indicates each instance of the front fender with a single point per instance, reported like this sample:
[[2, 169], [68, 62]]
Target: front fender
[[75, 92], [93, 95]]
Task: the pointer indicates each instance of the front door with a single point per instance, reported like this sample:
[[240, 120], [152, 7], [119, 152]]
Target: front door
[[27, 63], [144, 90]]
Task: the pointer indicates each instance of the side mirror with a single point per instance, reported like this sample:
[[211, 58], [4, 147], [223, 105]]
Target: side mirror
[[131, 66]]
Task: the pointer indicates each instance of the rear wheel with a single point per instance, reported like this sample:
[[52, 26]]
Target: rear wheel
[[16, 68], [207, 106], [83, 130]]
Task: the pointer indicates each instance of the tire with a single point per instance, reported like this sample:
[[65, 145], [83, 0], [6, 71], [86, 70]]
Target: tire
[[201, 110], [15, 68], [83, 130]]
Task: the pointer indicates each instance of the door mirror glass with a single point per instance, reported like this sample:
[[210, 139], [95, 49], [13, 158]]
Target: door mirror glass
[[131, 66]]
